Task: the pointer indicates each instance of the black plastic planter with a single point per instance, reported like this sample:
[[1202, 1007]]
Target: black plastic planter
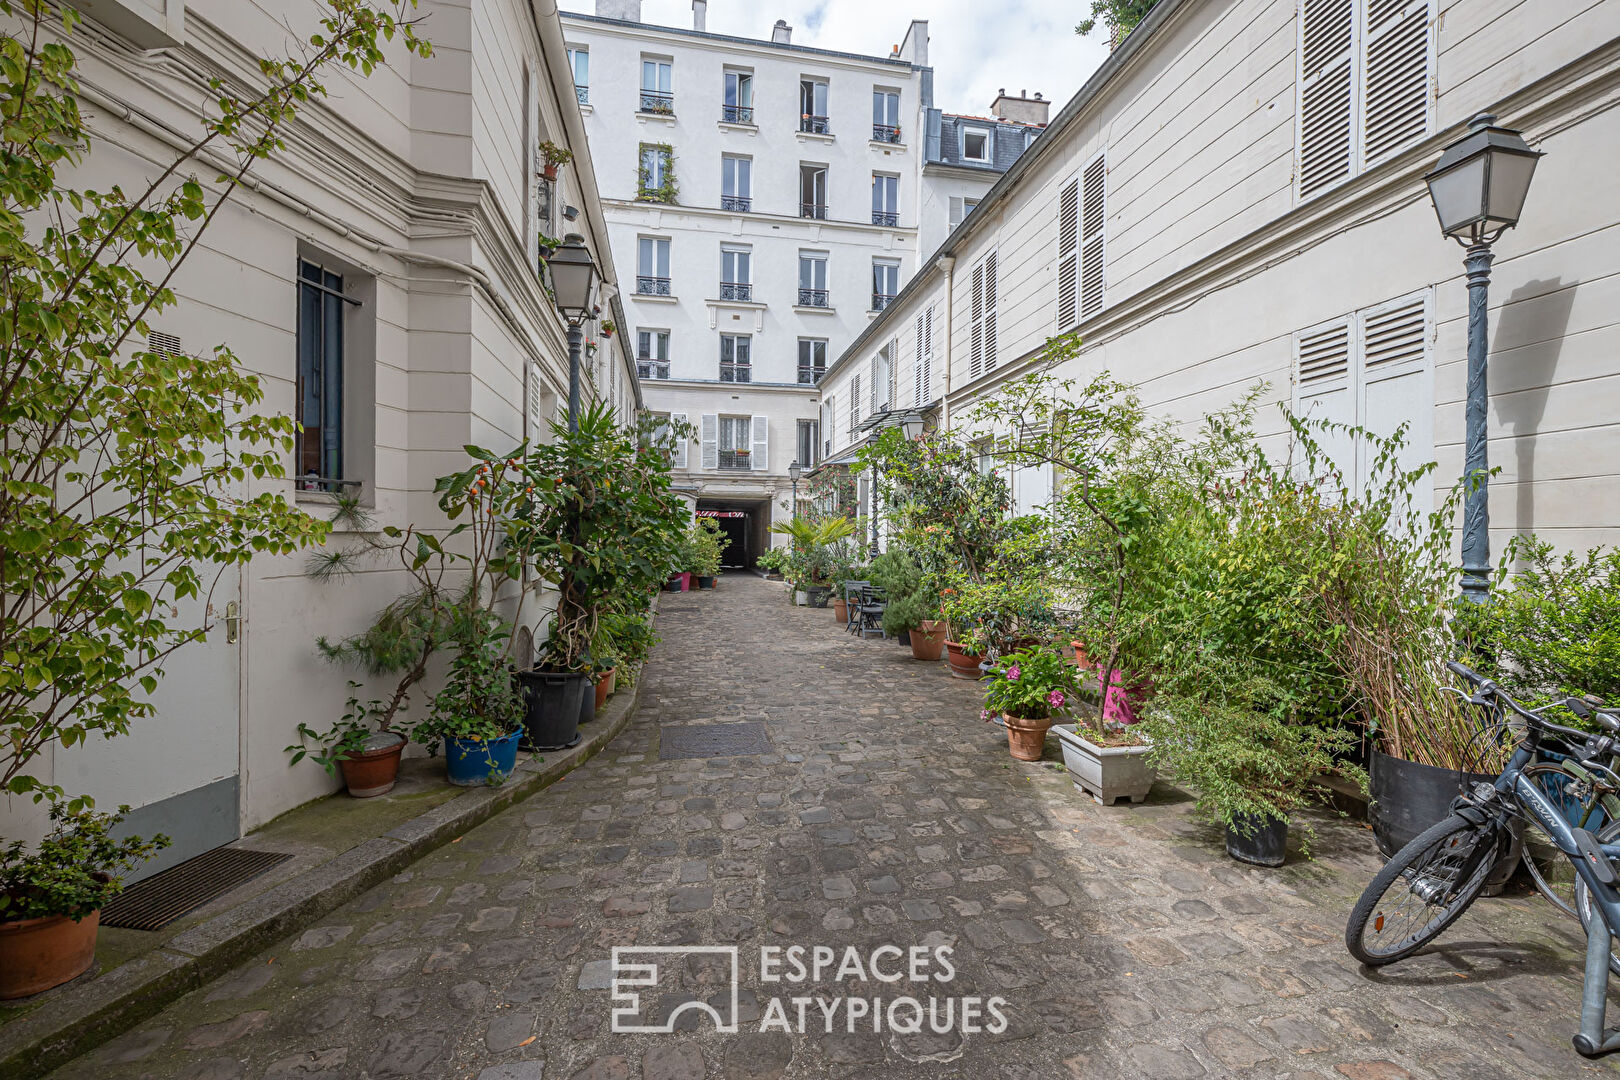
[[905, 639], [587, 702], [552, 708], [816, 596], [1408, 797], [705, 581], [1266, 843]]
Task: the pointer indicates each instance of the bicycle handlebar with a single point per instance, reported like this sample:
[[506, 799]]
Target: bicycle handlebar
[[1489, 691]]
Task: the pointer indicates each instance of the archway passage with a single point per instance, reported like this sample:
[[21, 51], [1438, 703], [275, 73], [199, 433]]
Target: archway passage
[[745, 523]]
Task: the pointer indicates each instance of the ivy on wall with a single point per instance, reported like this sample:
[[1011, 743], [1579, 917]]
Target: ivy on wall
[[646, 191]]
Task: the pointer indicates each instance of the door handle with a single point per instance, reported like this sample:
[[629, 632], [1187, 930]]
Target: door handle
[[233, 622]]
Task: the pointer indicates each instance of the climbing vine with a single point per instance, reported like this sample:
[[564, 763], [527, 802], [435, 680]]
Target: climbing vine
[[646, 191]]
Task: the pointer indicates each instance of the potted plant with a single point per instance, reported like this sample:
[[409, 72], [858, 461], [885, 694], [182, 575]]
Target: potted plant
[[552, 158], [910, 612], [51, 897], [364, 745], [478, 715], [1026, 690], [708, 546], [609, 328], [814, 545]]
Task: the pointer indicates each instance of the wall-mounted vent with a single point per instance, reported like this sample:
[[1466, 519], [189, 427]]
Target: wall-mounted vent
[[163, 343]]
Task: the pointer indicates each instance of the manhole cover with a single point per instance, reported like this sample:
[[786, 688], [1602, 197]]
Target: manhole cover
[[162, 898], [713, 740]]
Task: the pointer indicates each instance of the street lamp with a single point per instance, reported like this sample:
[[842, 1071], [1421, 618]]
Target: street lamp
[[911, 426], [573, 281], [1479, 187], [795, 471]]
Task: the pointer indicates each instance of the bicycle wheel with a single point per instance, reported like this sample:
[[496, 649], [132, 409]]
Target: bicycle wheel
[[1609, 834], [1576, 801], [1422, 890]]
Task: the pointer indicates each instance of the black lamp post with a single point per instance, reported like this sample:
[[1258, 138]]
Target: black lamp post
[[573, 280], [1478, 187], [795, 471]]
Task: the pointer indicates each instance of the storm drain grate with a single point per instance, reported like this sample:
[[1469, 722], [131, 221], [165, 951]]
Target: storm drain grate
[[713, 740], [162, 898]]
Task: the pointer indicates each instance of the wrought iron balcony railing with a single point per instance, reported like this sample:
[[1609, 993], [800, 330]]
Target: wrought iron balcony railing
[[885, 133], [736, 373], [583, 93], [814, 125], [885, 217], [809, 375], [737, 114], [652, 369], [813, 210], [736, 290], [812, 297], [736, 459], [652, 286], [881, 300], [741, 204], [657, 101]]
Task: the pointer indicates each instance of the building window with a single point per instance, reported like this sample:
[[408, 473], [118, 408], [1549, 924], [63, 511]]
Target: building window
[[812, 360], [885, 283], [736, 435], [1082, 222], [885, 199], [739, 98], [736, 272], [579, 62], [654, 180], [809, 443], [976, 144], [982, 317], [652, 354], [813, 191], [961, 207], [736, 183], [886, 116], [854, 413], [736, 356], [829, 422], [656, 95], [923, 367], [652, 266], [320, 377], [813, 107], [883, 379], [813, 279], [1363, 85]]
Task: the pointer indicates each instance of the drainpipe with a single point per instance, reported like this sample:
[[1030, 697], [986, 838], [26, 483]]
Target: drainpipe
[[947, 266]]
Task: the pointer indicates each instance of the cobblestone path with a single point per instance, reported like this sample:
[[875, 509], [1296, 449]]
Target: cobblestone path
[[1124, 941]]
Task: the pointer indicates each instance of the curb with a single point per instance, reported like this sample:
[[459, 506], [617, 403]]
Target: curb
[[88, 1015]]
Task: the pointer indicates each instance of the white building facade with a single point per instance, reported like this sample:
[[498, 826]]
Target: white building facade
[[769, 199], [1237, 197], [404, 215]]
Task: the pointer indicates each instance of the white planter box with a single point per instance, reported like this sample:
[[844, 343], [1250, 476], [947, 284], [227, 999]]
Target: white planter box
[[1106, 773]]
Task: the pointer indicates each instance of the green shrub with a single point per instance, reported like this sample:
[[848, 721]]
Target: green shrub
[[63, 875]]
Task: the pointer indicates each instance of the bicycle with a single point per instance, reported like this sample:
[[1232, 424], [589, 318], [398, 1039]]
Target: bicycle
[[1585, 799], [1432, 880]]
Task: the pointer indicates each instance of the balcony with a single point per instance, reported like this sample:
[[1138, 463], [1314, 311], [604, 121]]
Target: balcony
[[741, 204], [885, 217], [812, 297], [583, 93], [737, 290], [885, 133], [810, 374], [882, 300], [737, 114], [658, 103], [651, 369], [736, 459], [813, 210], [652, 286], [736, 373], [814, 125]]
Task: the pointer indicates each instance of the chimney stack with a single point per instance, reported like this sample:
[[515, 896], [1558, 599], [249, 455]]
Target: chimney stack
[[1024, 109], [628, 10], [782, 33], [700, 15]]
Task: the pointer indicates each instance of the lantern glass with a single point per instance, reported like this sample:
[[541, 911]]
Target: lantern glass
[[912, 427], [795, 471], [1459, 195], [1509, 184], [573, 278]]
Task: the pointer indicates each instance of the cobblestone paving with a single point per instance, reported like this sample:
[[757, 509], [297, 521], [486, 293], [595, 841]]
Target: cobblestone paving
[[1125, 941]]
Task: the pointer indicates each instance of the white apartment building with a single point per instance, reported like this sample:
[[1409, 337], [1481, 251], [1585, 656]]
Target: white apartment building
[[771, 199], [1237, 197], [403, 217]]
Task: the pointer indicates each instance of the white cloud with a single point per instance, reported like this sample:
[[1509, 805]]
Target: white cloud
[[976, 48]]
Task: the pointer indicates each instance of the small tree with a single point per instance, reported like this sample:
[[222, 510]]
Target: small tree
[[123, 464], [1120, 16]]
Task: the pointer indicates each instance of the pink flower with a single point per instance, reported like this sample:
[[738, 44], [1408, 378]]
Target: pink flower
[[1013, 673], [984, 714], [1056, 699]]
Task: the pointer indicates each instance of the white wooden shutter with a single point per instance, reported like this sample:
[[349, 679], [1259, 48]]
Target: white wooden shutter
[[709, 433], [829, 421], [761, 455], [679, 418], [956, 211], [1323, 389], [1093, 220], [890, 385], [976, 321], [1396, 92], [1068, 250], [534, 406], [1396, 390], [854, 402], [990, 353], [875, 375], [1326, 94], [927, 381]]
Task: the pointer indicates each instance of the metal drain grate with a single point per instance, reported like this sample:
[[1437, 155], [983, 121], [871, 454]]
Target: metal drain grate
[[713, 740], [162, 898]]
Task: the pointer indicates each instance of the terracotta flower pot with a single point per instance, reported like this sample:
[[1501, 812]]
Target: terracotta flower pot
[[37, 954], [604, 687], [964, 665], [841, 611], [1026, 739], [1081, 660], [928, 640], [372, 772], [549, 171]]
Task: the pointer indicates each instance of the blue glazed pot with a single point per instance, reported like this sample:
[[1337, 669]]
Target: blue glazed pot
[[475, 762]]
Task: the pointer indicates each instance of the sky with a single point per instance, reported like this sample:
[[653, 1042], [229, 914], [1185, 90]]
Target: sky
[[975, 47]]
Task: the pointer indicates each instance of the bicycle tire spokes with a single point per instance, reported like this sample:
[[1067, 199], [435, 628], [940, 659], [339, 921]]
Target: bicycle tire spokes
[[1426, 891]]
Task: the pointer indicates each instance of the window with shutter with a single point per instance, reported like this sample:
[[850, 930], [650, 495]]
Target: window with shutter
[[874, 376], [854, 402], [1068, 250], [990, 353], [922, 369], [709, 437], [1326, 81], [1397, 81], [1093, 221], [535, 407], [829, 423], [679, 420], [976, 323], [761, 456]]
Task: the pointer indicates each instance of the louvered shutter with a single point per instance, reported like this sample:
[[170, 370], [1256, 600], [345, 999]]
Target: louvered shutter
[[1326, 93], [927, 379], [679, 419], [1394, 375], [854, 402], [761, 455], [829, 423], [976, 321], [875, 375], [891, 386], [1093, 220], [1396, 92], [534, 406], [1324, 390], [1068, 250], [709, 436], [990, 353]]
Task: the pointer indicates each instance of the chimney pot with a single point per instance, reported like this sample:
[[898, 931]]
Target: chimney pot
[[700, 14], [782, 33]]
